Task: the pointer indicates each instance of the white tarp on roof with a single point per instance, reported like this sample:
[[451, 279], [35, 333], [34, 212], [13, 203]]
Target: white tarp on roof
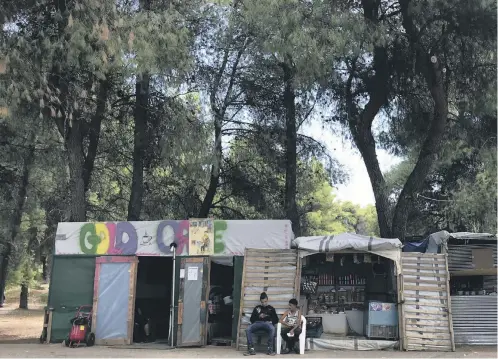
[[388, 248], [470, 235]]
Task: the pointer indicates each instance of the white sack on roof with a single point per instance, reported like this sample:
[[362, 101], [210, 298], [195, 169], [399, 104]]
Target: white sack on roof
[[441, 239], [384, 247]]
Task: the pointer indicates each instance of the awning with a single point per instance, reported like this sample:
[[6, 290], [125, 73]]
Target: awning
[[384, 247]]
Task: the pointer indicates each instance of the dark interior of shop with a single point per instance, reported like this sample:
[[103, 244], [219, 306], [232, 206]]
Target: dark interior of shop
[[153, 298], [469, 285], [220, 308], [349, 283]]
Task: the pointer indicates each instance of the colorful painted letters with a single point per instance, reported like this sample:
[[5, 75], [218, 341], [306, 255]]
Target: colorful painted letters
[[122, 238]]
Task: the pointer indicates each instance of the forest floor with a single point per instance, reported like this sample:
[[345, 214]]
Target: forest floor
[[20, 330], [22, 325]]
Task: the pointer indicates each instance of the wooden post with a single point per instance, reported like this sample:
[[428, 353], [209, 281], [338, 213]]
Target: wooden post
[[448, 296], [131, 300], [49, 326], [297, 284], [401, 312], [242, 287], [95, 295]]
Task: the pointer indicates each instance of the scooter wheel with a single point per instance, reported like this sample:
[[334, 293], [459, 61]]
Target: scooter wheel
[[90, 340]]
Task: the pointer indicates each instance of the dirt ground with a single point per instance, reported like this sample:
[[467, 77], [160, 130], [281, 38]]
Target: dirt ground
[[58, 351], [20, 325], [20, 330]]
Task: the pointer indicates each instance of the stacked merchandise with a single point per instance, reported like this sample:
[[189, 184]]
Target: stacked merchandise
[[309, 284], [335, 290]]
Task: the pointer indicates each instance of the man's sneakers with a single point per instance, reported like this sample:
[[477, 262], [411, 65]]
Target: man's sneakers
[[290, 350], [251, 351]]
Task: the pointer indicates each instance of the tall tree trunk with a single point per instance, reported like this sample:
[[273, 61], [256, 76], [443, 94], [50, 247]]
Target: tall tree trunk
[[429, 66], [4, 265], [290, 150], [215, 167], [139, 147], [23, 297], [77, 132], [77, 203], [360, 122], [16, 216], [219, 110], [44, 268], [365, 142], [94, 131], [140, 131]]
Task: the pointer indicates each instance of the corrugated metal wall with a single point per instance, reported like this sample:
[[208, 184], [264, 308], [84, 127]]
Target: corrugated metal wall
[[460, 256], [474, 319]]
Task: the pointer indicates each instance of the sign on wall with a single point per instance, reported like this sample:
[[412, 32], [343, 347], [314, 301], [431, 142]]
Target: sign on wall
[[201, 237], [153, 238]]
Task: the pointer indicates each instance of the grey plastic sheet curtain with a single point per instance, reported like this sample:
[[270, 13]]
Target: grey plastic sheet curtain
[[191, 328], [113, 298]]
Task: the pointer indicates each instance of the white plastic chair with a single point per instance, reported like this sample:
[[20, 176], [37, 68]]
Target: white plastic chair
[[302, 336]]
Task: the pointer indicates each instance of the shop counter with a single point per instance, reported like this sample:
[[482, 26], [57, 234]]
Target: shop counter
[[339, 324], [334, 323], [355, 321]]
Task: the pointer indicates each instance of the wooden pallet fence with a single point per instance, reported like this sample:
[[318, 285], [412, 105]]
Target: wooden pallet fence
[[426, 311], [274, 271]]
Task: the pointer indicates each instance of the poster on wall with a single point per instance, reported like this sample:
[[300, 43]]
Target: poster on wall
[[201, 237]]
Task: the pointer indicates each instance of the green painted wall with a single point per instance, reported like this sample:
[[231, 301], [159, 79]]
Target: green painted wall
[[71, 285]]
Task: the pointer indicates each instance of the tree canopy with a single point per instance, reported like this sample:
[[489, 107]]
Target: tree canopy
[[151, 109]]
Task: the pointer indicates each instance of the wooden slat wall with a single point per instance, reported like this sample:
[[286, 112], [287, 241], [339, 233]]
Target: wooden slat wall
[[274, 271], [426, 311]]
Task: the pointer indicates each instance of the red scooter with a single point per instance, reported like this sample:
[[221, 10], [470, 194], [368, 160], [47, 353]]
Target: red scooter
[[81, 326]]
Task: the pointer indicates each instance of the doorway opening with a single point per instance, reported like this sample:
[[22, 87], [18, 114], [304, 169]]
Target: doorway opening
[[220, 304], [153, 299]]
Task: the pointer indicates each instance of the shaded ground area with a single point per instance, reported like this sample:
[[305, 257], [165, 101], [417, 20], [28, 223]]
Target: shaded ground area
[[21, 325], [58, 351]]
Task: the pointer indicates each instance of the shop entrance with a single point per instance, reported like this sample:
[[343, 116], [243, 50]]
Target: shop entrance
[[220, 303], [153, 299], [354, 297]]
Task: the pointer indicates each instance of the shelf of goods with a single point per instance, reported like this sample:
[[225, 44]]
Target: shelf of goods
[[328, 291]]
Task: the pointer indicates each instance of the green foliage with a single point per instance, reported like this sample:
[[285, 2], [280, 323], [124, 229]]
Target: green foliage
[[229, 56], [335, 217], [24, 274], [459, 195]]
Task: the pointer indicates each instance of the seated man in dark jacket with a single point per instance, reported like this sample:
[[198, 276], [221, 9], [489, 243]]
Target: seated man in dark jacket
[[263, 318]]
